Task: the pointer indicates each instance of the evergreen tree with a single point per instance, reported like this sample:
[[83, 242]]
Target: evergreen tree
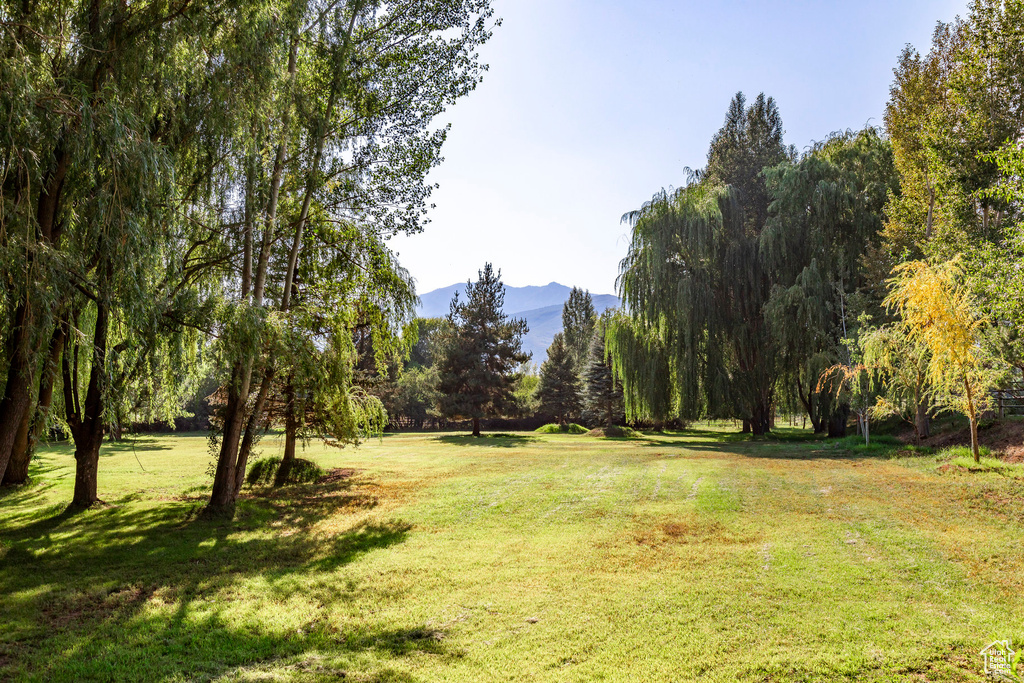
[[482, 352], [603, 392], [578, 320], [559, 389]]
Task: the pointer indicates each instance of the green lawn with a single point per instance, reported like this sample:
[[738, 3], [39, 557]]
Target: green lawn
[[520, 558]]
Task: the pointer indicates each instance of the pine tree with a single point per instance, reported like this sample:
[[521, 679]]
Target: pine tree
[[603, 393], [559, 390], [482, 352], [578, 320]]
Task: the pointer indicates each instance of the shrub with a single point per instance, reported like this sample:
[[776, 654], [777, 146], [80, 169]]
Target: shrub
[[614, 432], [261, 472], [571, 428]]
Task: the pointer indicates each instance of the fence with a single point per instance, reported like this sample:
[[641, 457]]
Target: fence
[[1010, 399]]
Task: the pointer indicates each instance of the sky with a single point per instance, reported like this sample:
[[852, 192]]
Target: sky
[[591, 106]]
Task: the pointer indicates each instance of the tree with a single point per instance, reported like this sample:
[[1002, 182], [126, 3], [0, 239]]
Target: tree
[[331, 162], [938, 311], [559, 389], [694, 285], [578, 320], [901, 363], [478, 368], [602, 391], [827, 210]]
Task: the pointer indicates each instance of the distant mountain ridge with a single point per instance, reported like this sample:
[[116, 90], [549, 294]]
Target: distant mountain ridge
[[540, 306]]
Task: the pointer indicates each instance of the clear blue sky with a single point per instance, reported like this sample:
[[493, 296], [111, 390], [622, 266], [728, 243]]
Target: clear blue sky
[[591, 106]]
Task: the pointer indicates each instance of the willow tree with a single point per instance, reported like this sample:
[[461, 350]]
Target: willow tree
[[694, 339], [347, 139], [827, 210], [104, 100]]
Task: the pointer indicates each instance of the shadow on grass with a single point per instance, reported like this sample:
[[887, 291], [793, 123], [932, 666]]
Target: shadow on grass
[[499, 440], [783, 445], [144, 593]]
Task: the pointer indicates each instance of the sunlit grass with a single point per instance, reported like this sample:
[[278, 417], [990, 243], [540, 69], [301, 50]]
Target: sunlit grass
[[680, 556]]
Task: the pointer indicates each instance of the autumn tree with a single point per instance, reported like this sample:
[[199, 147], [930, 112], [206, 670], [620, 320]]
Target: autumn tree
[[482, 352], [937, 310]]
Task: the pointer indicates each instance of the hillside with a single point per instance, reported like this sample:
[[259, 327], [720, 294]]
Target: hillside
[[540, 306]]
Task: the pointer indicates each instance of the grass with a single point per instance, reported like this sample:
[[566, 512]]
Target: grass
[[517, 557]]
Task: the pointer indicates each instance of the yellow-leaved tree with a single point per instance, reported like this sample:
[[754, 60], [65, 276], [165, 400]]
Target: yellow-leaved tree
[[937, 310]]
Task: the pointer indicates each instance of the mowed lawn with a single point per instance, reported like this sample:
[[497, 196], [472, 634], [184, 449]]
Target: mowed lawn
[[692, 556]]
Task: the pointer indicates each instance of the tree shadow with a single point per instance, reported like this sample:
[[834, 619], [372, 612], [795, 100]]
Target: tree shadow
[[137, 593], [784, 446], [497, 440]]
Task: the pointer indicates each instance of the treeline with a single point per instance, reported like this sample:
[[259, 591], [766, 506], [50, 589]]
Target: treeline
[[203, 188], [470, 366], [877, 273]]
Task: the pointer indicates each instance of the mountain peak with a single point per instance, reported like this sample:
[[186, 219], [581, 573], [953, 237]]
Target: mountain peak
[[539, 305]]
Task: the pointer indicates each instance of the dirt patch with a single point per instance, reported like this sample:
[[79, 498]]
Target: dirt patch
[[338, 474], [688, 530], [1005, 438]]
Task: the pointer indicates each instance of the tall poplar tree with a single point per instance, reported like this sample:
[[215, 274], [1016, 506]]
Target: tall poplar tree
[[578, 320]]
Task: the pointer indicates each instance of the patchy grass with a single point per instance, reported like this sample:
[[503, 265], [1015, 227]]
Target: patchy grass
[[690, 555]]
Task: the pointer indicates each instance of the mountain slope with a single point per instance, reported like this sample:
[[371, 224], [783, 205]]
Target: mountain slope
[[540, 306]]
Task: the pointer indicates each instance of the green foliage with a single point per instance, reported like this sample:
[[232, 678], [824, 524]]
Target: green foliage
[[559, 389], [478, 370], [568, 428], [263, 471], [578, 320], [694, 285], [602, 391]]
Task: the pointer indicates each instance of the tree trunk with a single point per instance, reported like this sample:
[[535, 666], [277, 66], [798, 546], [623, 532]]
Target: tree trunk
[[88, 430], [17, 397], [222, 498], [922, 423], [746, 426], [837, 422], [251, 427], [21, 455], [87, 458], [291, 426], [975, 448], [476, 426]]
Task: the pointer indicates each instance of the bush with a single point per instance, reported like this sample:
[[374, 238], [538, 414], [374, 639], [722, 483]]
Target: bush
[[614, 432], [262, 472], [571, 428]]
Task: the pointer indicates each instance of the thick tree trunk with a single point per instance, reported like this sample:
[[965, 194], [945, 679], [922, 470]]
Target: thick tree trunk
[[837, 422], [87, 458], [17, 466], [88, 431], [746, 426], [476, 426], [222, 498], [922, 423], [17, 399]]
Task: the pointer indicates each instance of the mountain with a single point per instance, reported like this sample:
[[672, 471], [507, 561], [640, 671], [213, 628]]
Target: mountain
[[541, 306]]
